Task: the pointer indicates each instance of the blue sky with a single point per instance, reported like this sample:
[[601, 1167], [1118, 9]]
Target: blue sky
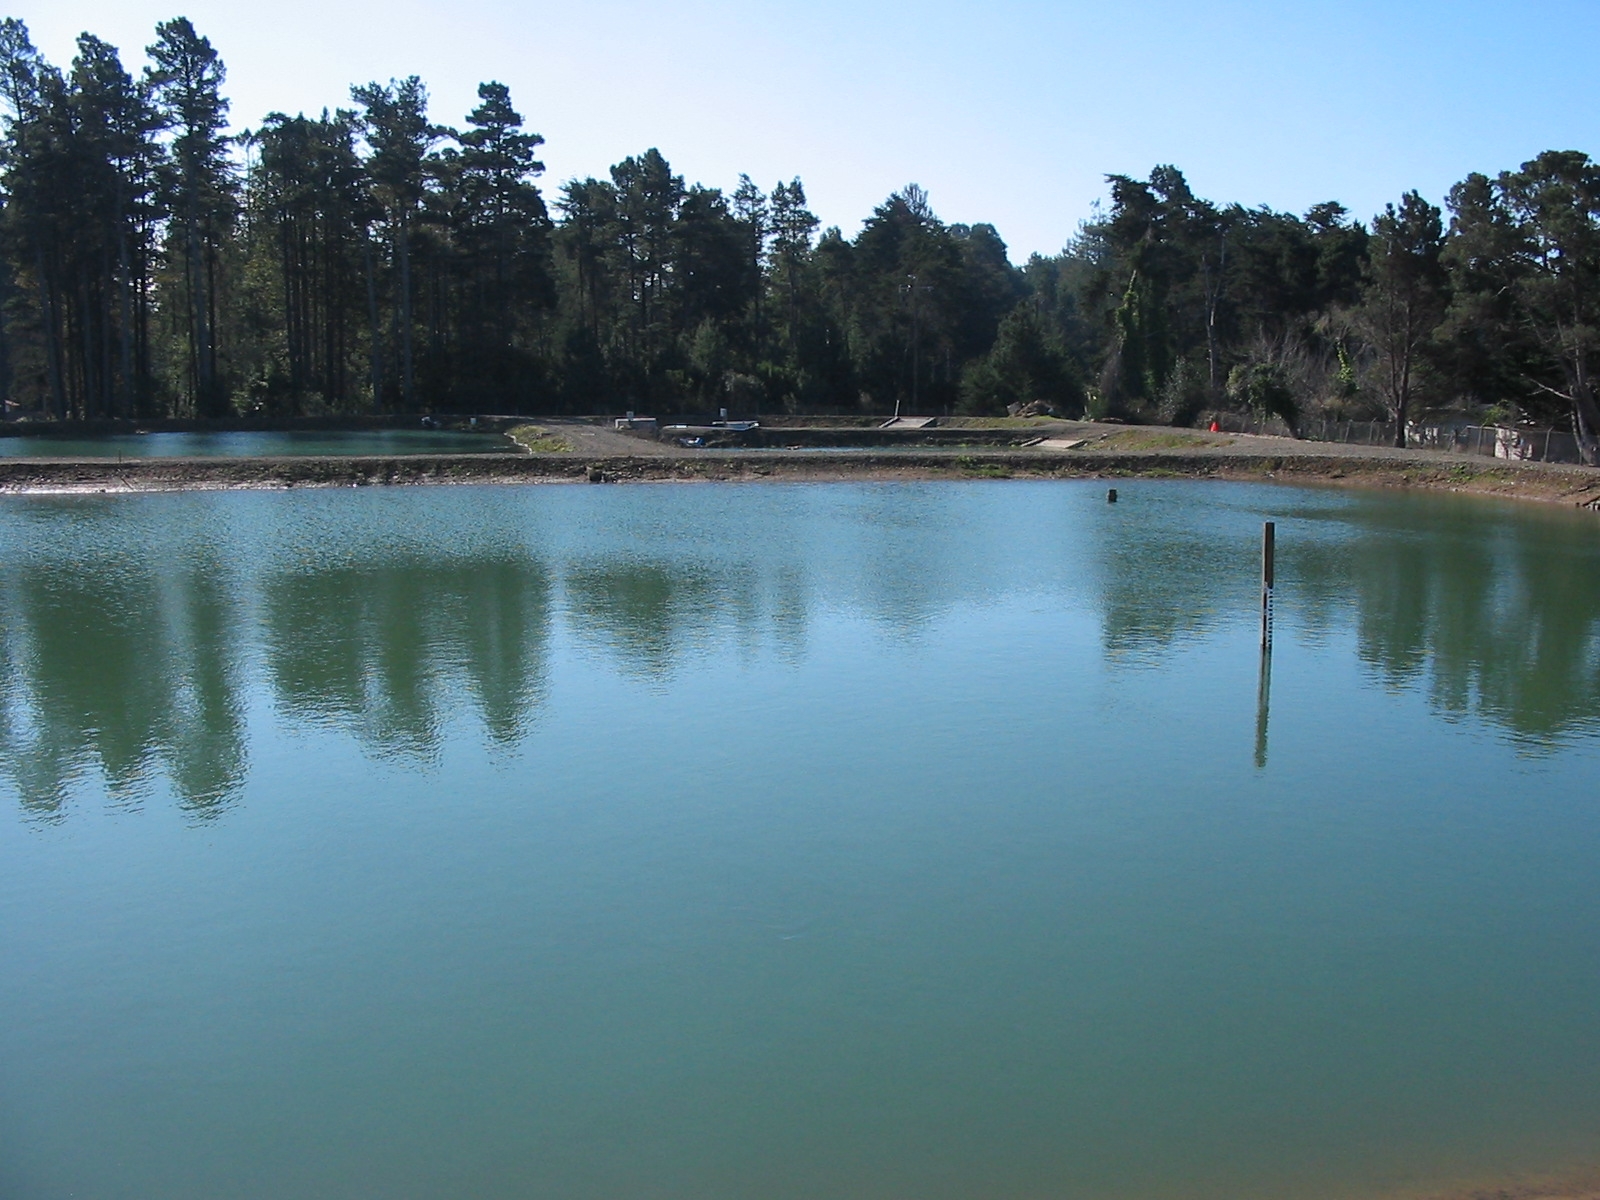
[[1010, 112]]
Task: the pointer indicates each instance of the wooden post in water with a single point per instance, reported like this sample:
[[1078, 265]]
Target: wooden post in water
[[1264, 681], [1268, 539]]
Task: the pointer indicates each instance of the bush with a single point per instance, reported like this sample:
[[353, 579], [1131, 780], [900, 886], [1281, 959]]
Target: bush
[[1184, 394], [1264, 389]]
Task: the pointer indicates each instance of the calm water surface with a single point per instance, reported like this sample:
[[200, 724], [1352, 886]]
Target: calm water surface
[[257, 443], [929, 841]]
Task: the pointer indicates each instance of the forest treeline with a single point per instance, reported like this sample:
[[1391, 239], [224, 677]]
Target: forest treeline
[[371, 260]]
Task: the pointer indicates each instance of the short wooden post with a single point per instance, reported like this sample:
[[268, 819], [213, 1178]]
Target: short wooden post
[[1111, 496]]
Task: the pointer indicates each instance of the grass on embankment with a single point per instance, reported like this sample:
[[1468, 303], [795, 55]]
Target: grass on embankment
[[998, 422], [1155, 439], [538, 440]]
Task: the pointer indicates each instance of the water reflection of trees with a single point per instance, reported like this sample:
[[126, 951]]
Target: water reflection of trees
[[381, 649], [136, 667], [126, 667], [1498, 618], [135, 663], [130, 657], [1494, 615], [649, 615], [1163, 582]]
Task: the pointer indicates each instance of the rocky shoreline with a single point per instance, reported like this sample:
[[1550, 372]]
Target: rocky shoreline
[[1285, 461]]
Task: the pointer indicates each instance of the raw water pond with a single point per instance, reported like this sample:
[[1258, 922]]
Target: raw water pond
[[257, 443], [758, 842]]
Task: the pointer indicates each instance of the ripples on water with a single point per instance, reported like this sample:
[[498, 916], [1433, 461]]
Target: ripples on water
[[795, 841]]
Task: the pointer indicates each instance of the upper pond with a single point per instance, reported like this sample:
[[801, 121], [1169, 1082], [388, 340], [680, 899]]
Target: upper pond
[[256, 443], [935, 840]]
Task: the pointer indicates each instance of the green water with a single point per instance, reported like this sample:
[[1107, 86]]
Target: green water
[[256, 443], [724, 842]]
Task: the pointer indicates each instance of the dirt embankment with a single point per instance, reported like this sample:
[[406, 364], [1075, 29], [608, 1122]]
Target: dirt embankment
[[1073, 451], [1580, 1185]]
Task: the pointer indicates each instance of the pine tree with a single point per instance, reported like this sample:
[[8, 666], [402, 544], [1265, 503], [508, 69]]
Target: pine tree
[[1404, 298], [186, 82], [502, 230], [399, 137]]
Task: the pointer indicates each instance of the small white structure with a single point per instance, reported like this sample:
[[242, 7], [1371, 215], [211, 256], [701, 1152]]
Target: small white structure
[[1059, 443], [1514, 444]]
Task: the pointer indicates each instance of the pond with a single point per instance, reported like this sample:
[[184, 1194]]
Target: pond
[[934, 840], [257, 444]]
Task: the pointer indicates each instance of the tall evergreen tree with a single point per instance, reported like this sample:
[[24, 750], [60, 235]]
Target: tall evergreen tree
[[1527, 247], [309, 207], [186, 79], [648, 197], [905, 276], [1404, 298], [503, 235], [399, 137], [118, 123], [38, 221]]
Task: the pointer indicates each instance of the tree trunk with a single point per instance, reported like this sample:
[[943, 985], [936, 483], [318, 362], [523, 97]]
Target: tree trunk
[[143, 394], [406, 365], [377, 328], [5, 341], [200, 310], [1402, 405], [52, 349], [1213, 292], [125, 316], [216, 402], [1586, 418]]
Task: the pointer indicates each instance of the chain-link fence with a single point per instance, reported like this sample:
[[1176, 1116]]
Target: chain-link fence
[[1491, 441], [1500, 441]]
